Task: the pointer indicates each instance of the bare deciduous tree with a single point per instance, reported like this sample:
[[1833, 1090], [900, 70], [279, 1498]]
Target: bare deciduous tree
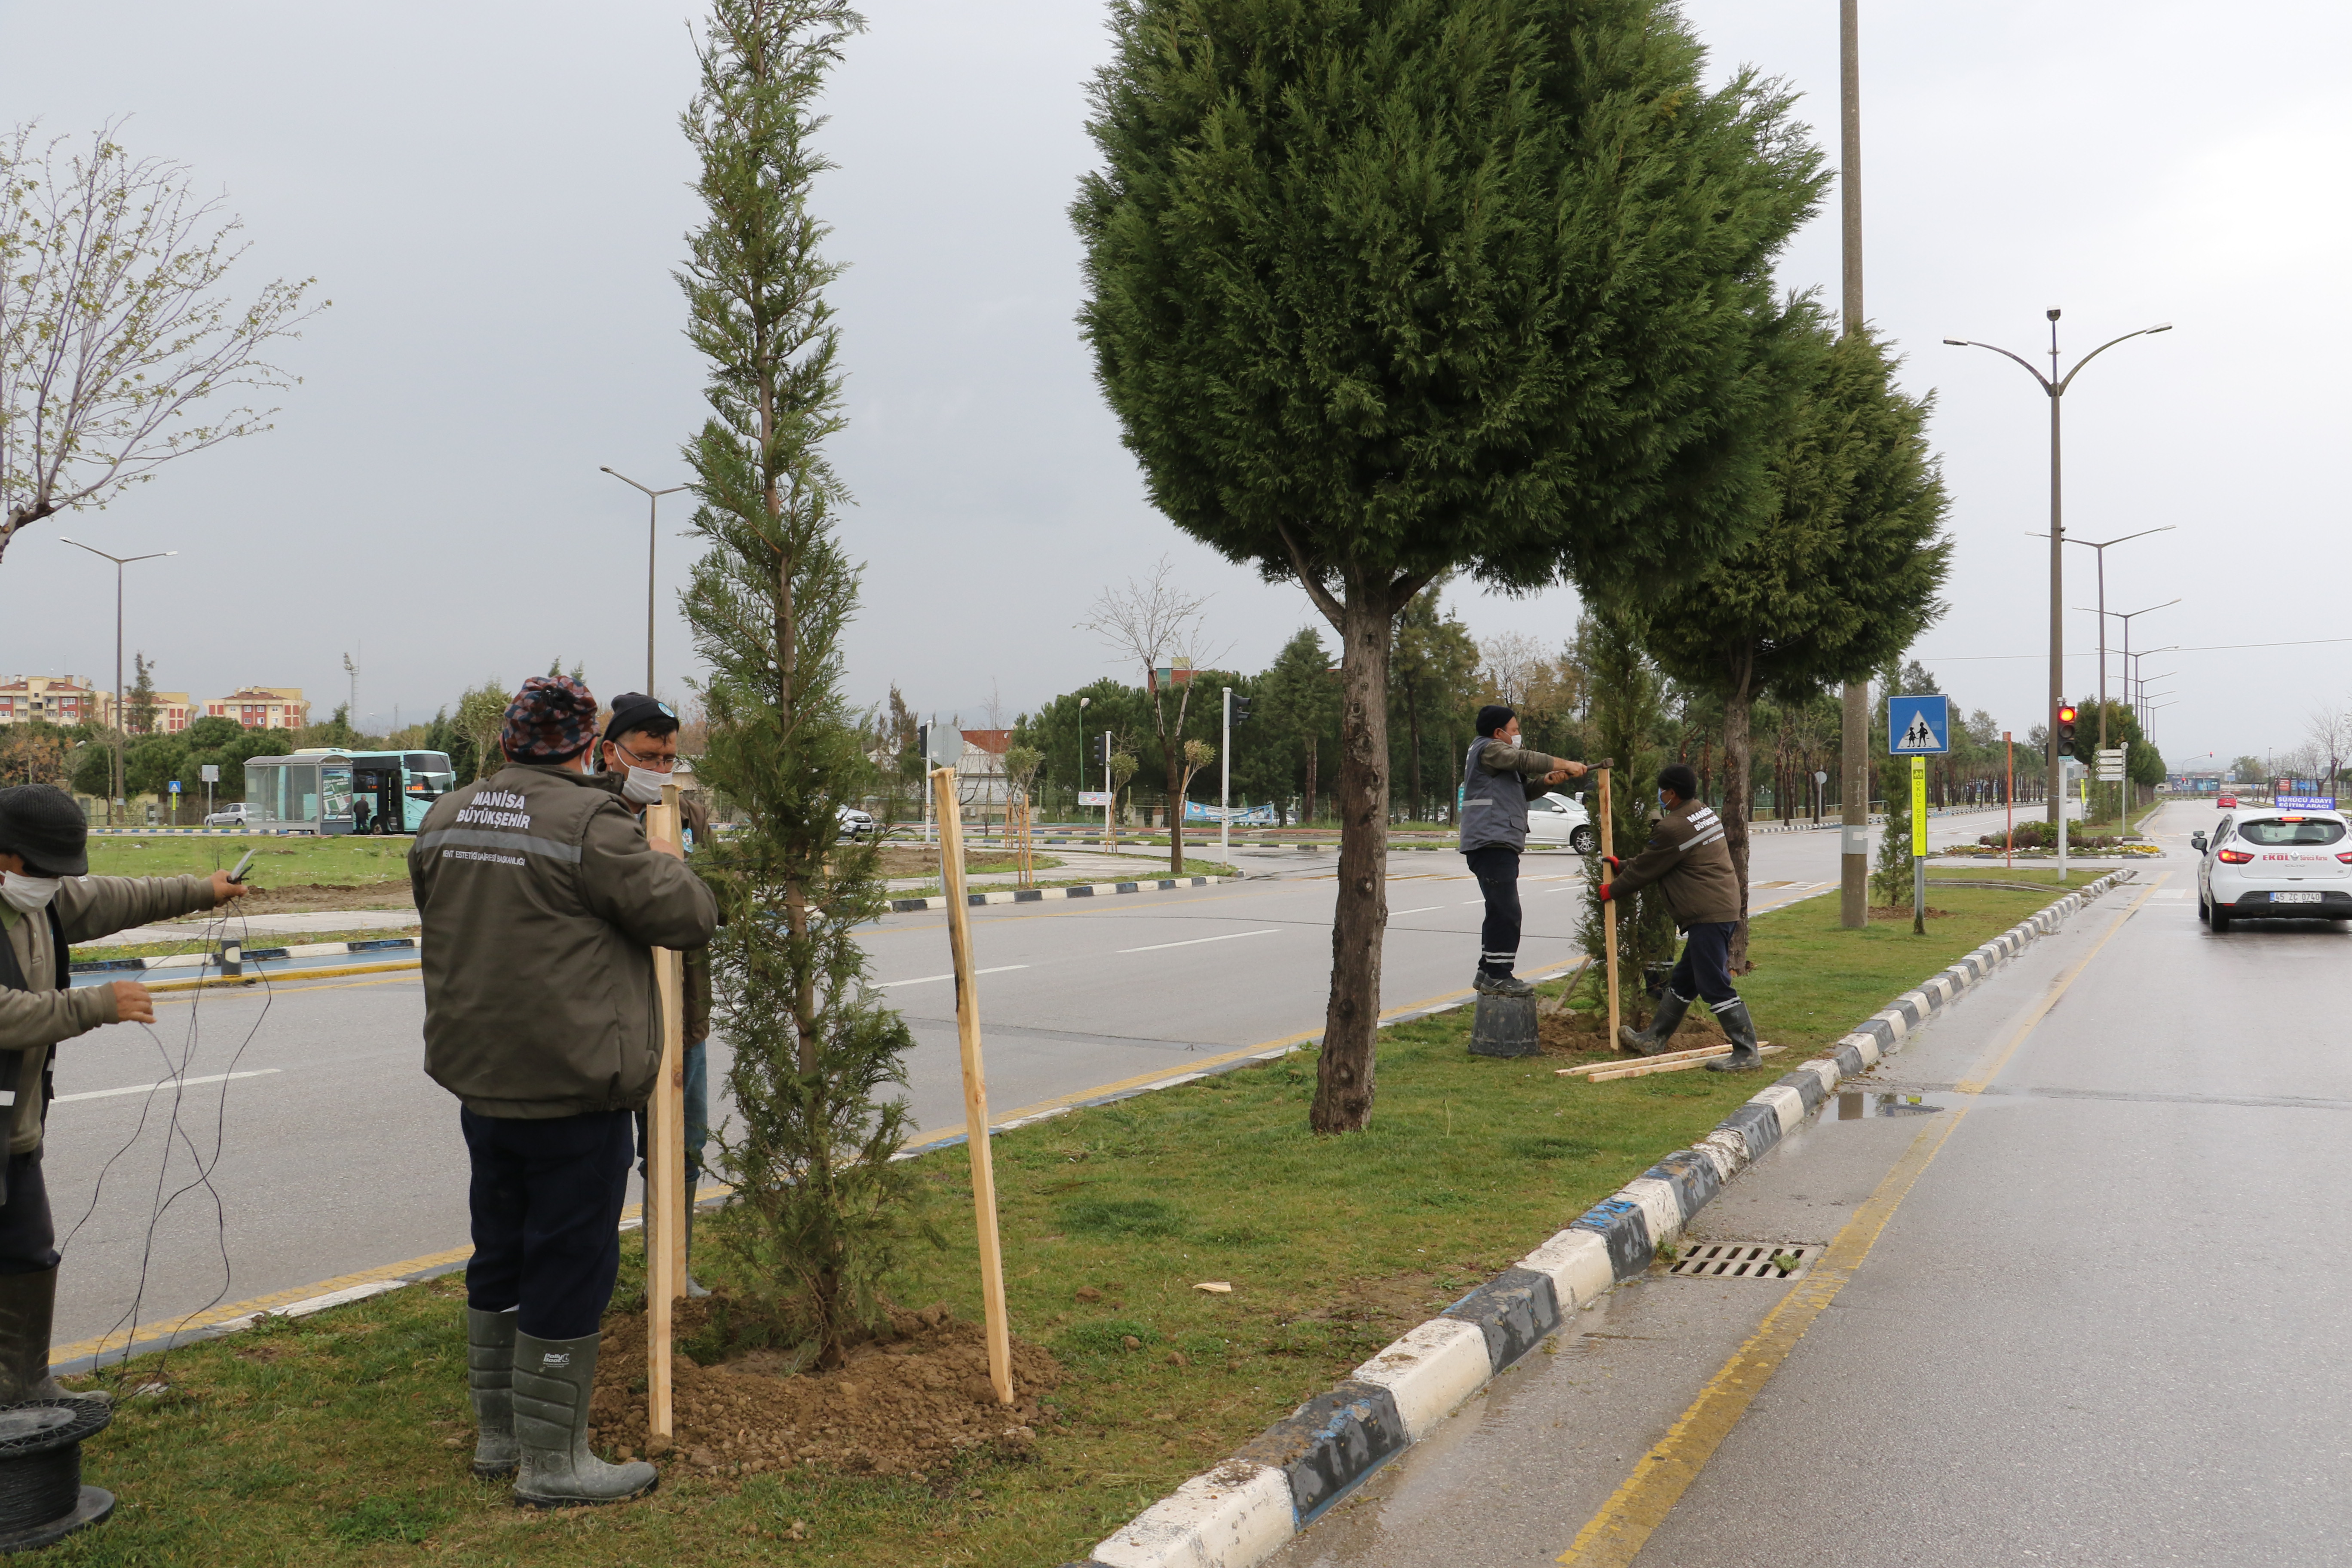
[[1161, 626], [1508, 664], [115, 331]]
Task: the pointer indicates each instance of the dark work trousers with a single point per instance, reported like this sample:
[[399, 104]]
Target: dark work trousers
[[546, 1199], [29, 1242], [1497, 867], [1704, 970]]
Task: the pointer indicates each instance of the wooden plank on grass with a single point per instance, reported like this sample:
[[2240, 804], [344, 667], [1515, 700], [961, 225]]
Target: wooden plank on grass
[[1646, 1068]]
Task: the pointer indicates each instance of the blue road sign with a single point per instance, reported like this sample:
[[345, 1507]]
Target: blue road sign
[[1918, 726]]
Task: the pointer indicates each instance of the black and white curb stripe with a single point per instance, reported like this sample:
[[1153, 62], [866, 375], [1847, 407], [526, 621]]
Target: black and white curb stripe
[[252, 955], [1241, 1513], [1037, 895]]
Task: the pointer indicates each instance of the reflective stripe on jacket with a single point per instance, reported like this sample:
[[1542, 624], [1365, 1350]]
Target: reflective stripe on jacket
[[1495, 793]]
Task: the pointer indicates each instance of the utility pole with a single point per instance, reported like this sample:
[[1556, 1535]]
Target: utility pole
[[1082, 748], [119, 563], [352, 707], [653, 513], [1226, 786], [2055, 386], [1853, 860]]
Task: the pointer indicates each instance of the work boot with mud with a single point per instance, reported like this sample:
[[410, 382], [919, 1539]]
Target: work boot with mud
[[1741, 1029], [552, 1381], [490, 1376], [1655, 1039], [26, 1304], [1489, 985]]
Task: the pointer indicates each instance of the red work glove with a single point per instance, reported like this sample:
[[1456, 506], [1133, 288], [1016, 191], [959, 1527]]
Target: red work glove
[[1604, 892], [1613, 863]]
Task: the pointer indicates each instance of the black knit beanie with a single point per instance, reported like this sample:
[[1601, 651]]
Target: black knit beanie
[[41, 822]]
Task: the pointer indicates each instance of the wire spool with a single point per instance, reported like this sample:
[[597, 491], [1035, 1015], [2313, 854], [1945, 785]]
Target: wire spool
[[42, 1499]]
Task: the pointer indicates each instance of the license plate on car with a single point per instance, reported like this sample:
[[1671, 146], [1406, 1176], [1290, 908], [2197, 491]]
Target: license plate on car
[[2297, 897]]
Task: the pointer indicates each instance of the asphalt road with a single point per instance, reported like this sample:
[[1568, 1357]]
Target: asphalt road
[[337, 1154], [2101, 1327]]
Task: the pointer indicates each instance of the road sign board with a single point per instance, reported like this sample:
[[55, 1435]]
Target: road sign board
[[175, 786], [1919, 726], [1094, 797], [210, 773]]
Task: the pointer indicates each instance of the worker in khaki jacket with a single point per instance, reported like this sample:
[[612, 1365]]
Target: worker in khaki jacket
[[636, 757], [49, 901], [542, 900], [1690, 863]]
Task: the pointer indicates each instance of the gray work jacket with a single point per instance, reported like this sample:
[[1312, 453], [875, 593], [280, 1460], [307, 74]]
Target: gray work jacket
[[1496, 788]]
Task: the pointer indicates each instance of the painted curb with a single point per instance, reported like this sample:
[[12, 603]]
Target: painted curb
[[1232, 1517], [252, 955], [1038, 895]]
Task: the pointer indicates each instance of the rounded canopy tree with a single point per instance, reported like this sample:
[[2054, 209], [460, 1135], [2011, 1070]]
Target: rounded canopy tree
[[1384, 288]]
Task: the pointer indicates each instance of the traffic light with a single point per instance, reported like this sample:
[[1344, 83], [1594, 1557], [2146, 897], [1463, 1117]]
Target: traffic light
[[923, 743], [2066, 727], [1101, 752], [1240, 707]]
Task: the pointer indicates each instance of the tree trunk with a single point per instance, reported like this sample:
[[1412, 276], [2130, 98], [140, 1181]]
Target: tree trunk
[[1178, 786], [1307, 812], [1413, 731], [1343, 1075], [1736, 757]]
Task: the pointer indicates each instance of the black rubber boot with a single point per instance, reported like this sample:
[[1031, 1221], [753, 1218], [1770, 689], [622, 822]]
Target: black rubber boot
[[1652, 1041], [1741, 1029], [490, 1377], [553, 1382], [26, 1304]]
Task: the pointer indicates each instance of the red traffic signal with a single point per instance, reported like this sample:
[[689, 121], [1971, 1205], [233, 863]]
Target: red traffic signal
[[2066, 725]]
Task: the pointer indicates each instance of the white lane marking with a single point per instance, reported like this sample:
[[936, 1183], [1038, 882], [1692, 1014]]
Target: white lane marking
[[1197, 941], [146, 1088], [1467, 903], [1423, 910], [927, 979]]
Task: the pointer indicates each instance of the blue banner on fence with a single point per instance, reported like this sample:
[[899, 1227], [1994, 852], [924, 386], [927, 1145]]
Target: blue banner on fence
[[1256, 815]]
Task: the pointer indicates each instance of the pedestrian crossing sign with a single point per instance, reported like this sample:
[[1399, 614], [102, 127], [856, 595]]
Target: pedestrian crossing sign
[[1919, 726]]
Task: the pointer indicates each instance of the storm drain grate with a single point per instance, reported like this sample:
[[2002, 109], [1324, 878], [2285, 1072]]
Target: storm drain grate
[[1744, 1260]]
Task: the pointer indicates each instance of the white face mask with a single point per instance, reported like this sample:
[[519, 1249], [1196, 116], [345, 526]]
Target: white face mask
[[643, 785], [29, 894]]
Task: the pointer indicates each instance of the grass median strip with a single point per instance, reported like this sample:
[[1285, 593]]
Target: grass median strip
[[342, 1435]]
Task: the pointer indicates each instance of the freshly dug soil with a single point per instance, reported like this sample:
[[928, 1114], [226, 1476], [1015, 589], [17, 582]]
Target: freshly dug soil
[[923, 859], [1581, 1034], [1903, 912], [913, 1400]]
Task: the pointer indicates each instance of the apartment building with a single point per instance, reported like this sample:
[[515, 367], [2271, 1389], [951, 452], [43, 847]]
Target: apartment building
[[64, 700], [70, 699], [262, 708]]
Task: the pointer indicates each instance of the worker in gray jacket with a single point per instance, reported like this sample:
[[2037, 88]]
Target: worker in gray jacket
[[541, 901], [1498, 778], [49, 901]]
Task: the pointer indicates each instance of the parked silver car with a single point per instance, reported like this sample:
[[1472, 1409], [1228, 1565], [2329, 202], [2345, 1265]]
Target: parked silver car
[[229, 816], [1560, 821], [855, 824]]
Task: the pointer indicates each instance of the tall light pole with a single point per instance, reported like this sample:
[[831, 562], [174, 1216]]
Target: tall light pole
[[2055, 386], [1082, 746], [119, 563], [653, 509], [1853, 744], [351, 704], [2101, 546]]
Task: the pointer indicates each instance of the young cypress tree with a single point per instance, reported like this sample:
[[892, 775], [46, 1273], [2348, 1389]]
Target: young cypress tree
[[821, 1211]]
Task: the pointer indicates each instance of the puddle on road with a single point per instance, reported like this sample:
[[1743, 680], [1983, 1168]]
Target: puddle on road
[[1854, 1106]]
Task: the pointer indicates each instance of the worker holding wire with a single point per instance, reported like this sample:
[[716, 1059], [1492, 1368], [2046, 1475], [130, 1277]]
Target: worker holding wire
[[48, 901]]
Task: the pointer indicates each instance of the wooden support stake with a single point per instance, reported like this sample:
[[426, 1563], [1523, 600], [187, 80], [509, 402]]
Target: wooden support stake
[[1646, 1068], [1609, 910], [975, 1107], [664, 1207]]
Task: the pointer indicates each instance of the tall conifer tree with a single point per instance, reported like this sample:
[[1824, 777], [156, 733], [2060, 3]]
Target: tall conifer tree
[[821, 1209]]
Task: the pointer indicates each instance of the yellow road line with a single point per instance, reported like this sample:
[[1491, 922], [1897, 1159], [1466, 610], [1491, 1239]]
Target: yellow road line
[[1614, 1537]]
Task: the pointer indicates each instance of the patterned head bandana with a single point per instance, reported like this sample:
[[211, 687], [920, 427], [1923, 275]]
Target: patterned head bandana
[[551, 719]]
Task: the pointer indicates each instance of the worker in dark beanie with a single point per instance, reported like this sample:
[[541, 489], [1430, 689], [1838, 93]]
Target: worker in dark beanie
[[49, 901], [1498, 778], [635, 760], [542, 901], [1690, 862]]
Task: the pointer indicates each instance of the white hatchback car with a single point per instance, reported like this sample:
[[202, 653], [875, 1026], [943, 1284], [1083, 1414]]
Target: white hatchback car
[[2266, 864], [1555, 820]]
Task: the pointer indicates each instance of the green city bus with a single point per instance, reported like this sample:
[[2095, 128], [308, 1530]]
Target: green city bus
[[326, 791]]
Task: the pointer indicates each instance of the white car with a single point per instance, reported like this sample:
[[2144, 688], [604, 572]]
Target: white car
[[1557, 820], [855, 824], [230, 816], [2262, 863]]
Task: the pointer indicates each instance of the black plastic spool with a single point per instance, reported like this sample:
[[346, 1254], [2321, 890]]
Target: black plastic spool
[[42, 1499]]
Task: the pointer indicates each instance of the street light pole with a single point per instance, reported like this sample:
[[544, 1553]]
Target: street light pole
[[1853, 742], [1226, 786], [2055, 386], [653, 509], [119, 563]]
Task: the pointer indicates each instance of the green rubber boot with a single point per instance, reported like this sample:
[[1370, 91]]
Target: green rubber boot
[[27, 1302], [1741, 1030], [490, 1376], [1653, 1040], [552, 1381]]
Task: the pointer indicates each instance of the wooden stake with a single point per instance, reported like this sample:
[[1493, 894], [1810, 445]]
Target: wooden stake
[[664, 1207], [975, 1111], [1646, 1068], [1609, 910]]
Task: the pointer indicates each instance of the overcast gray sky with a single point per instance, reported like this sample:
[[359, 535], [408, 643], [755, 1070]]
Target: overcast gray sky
[[494, 196]]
